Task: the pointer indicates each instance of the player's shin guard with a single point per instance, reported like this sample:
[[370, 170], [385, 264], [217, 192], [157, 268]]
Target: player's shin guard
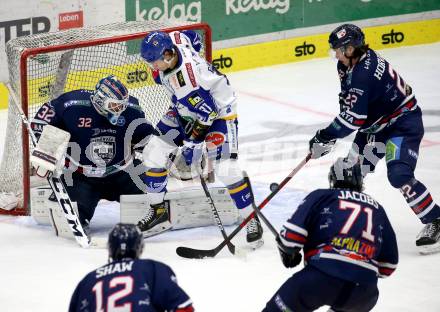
[[155, 180], [157, 217], [241, 195], [421, 202]]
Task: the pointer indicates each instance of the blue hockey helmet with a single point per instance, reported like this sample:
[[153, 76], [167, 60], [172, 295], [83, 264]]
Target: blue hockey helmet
[[345, 174], [154, 45], [110, 98], [346, 34], [125, 241]]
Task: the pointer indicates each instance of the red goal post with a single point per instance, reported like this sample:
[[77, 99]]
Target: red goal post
[[43, 66]]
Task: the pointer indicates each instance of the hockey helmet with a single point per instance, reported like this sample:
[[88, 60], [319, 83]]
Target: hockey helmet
[[346, 34], [125, 241], [110, 98], [154, 45], [345, 174]]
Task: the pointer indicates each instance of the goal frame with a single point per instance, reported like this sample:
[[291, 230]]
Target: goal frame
[[24, 209]]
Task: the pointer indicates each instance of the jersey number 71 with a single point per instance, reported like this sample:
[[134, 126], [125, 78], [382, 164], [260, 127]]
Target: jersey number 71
[[356, 209]]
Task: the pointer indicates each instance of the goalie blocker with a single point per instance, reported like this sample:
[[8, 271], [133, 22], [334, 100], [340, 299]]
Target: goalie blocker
[[48, 155]]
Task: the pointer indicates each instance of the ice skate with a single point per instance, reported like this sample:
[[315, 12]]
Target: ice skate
[[156, 220], [254, 234], [428, 240]]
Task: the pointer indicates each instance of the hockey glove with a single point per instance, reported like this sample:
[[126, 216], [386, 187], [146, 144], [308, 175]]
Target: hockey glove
[[343, 106], [290, 257], [192, 152], [319, 145]]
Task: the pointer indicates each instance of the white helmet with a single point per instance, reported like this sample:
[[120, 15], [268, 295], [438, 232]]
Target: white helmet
[[110, 98]]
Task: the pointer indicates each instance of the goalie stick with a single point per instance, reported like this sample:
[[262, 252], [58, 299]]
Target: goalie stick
[[57, 186], [187, 252], [214, 210]]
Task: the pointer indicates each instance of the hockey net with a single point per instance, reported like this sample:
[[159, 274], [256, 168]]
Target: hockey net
[[43, 66]]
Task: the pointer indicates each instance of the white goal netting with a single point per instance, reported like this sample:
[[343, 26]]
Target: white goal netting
[[43, 66]]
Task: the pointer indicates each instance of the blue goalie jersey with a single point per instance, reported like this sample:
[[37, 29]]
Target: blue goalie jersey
[[130, 285], [374, 96], [345, 234], [97, 147]]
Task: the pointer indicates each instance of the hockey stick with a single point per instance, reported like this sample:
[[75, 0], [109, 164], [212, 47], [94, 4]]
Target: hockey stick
[[56, 185], [214, 210], [258, 211], [192, 253]]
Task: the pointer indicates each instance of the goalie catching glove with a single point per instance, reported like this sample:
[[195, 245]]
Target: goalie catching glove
[[48, 155]]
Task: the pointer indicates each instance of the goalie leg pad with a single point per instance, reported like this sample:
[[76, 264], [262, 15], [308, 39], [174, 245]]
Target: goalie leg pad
[[41, 205], [188, 208], [59, 221], [46, 211]]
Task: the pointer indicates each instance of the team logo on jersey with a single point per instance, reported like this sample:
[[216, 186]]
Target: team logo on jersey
[[195, 99], [102, 149], [180, 78], [215, 139]]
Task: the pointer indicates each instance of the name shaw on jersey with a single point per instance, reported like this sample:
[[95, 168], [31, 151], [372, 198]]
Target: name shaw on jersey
[[118, 267], [353, 195]]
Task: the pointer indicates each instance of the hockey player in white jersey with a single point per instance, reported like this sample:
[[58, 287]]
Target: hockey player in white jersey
[[203, 113]]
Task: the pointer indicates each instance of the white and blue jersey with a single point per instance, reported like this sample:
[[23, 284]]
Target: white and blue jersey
[[345, 234], [375, 96], [198, 91], [130, 285], [97, 147]]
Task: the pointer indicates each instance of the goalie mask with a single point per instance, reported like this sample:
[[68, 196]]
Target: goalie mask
[[125, 241], [344, 174], [110, 98]]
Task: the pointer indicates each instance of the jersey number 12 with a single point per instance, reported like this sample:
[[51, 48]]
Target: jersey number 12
[[127, 289]]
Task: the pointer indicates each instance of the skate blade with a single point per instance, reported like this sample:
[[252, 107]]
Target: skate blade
[[256, 244], [429, 249], [160, 228]]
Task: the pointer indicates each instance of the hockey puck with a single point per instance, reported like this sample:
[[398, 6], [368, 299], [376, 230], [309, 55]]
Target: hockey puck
[[273, 186]]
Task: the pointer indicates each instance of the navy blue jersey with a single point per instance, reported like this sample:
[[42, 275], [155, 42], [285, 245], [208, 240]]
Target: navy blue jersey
[[345, 234], [136, 285], [374, 95], [100, 146]]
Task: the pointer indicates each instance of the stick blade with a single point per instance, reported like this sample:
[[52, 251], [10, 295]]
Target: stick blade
[[190, 253]]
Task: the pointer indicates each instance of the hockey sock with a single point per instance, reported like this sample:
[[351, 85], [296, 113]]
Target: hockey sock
[[240, 194], [420, 200], [155, 179]]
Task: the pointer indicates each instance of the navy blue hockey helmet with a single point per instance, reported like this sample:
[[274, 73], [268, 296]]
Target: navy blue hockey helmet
[[125, 241], [344, 174], [346, 34], [154, 45], [110, 98]]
